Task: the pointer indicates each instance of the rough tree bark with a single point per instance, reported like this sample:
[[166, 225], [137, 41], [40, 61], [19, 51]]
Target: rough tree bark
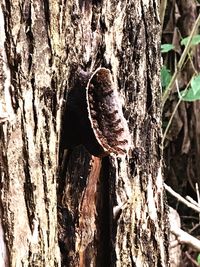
[[111, 212]]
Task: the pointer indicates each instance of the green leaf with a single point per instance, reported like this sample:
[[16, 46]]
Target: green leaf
[[198, 258], [193, 92], [195, 84], [166, 48], [195, 40], [165, 76]]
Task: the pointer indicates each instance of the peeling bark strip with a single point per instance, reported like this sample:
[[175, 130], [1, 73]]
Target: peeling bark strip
[[87, 217]]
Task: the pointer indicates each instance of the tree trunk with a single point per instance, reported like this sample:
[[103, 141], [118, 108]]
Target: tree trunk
[[99, 211]]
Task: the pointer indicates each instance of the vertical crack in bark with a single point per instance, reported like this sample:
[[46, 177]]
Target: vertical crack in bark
[[28, 31], [47, 133], [29, 187], [12, 59], [104, 218], [26, 10], [7, 20], [147, 45], [4, 207], [149, 95], [47, 15], [54, 104], [74, 172], [45, 189], [35, 115]]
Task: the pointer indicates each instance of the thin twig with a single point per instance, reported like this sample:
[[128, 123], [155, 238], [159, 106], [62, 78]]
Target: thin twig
[[170, 121], [181, 199], [198, 196], [174, 111], [197, 190], [194, 228], [192, 260], [191, 200], [185, 238], [163, 6], [181, 62]]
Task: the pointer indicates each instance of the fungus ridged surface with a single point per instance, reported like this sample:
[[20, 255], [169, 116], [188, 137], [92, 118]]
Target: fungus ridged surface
[[105, 113]]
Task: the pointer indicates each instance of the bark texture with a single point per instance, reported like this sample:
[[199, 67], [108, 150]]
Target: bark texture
[[125, 38], [29, 135], [111, 212]]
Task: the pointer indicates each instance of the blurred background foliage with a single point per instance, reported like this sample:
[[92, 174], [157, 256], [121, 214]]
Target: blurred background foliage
[[180, 77]]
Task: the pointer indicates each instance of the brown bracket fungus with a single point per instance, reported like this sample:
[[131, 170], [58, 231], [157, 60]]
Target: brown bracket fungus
[[94, 115]]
